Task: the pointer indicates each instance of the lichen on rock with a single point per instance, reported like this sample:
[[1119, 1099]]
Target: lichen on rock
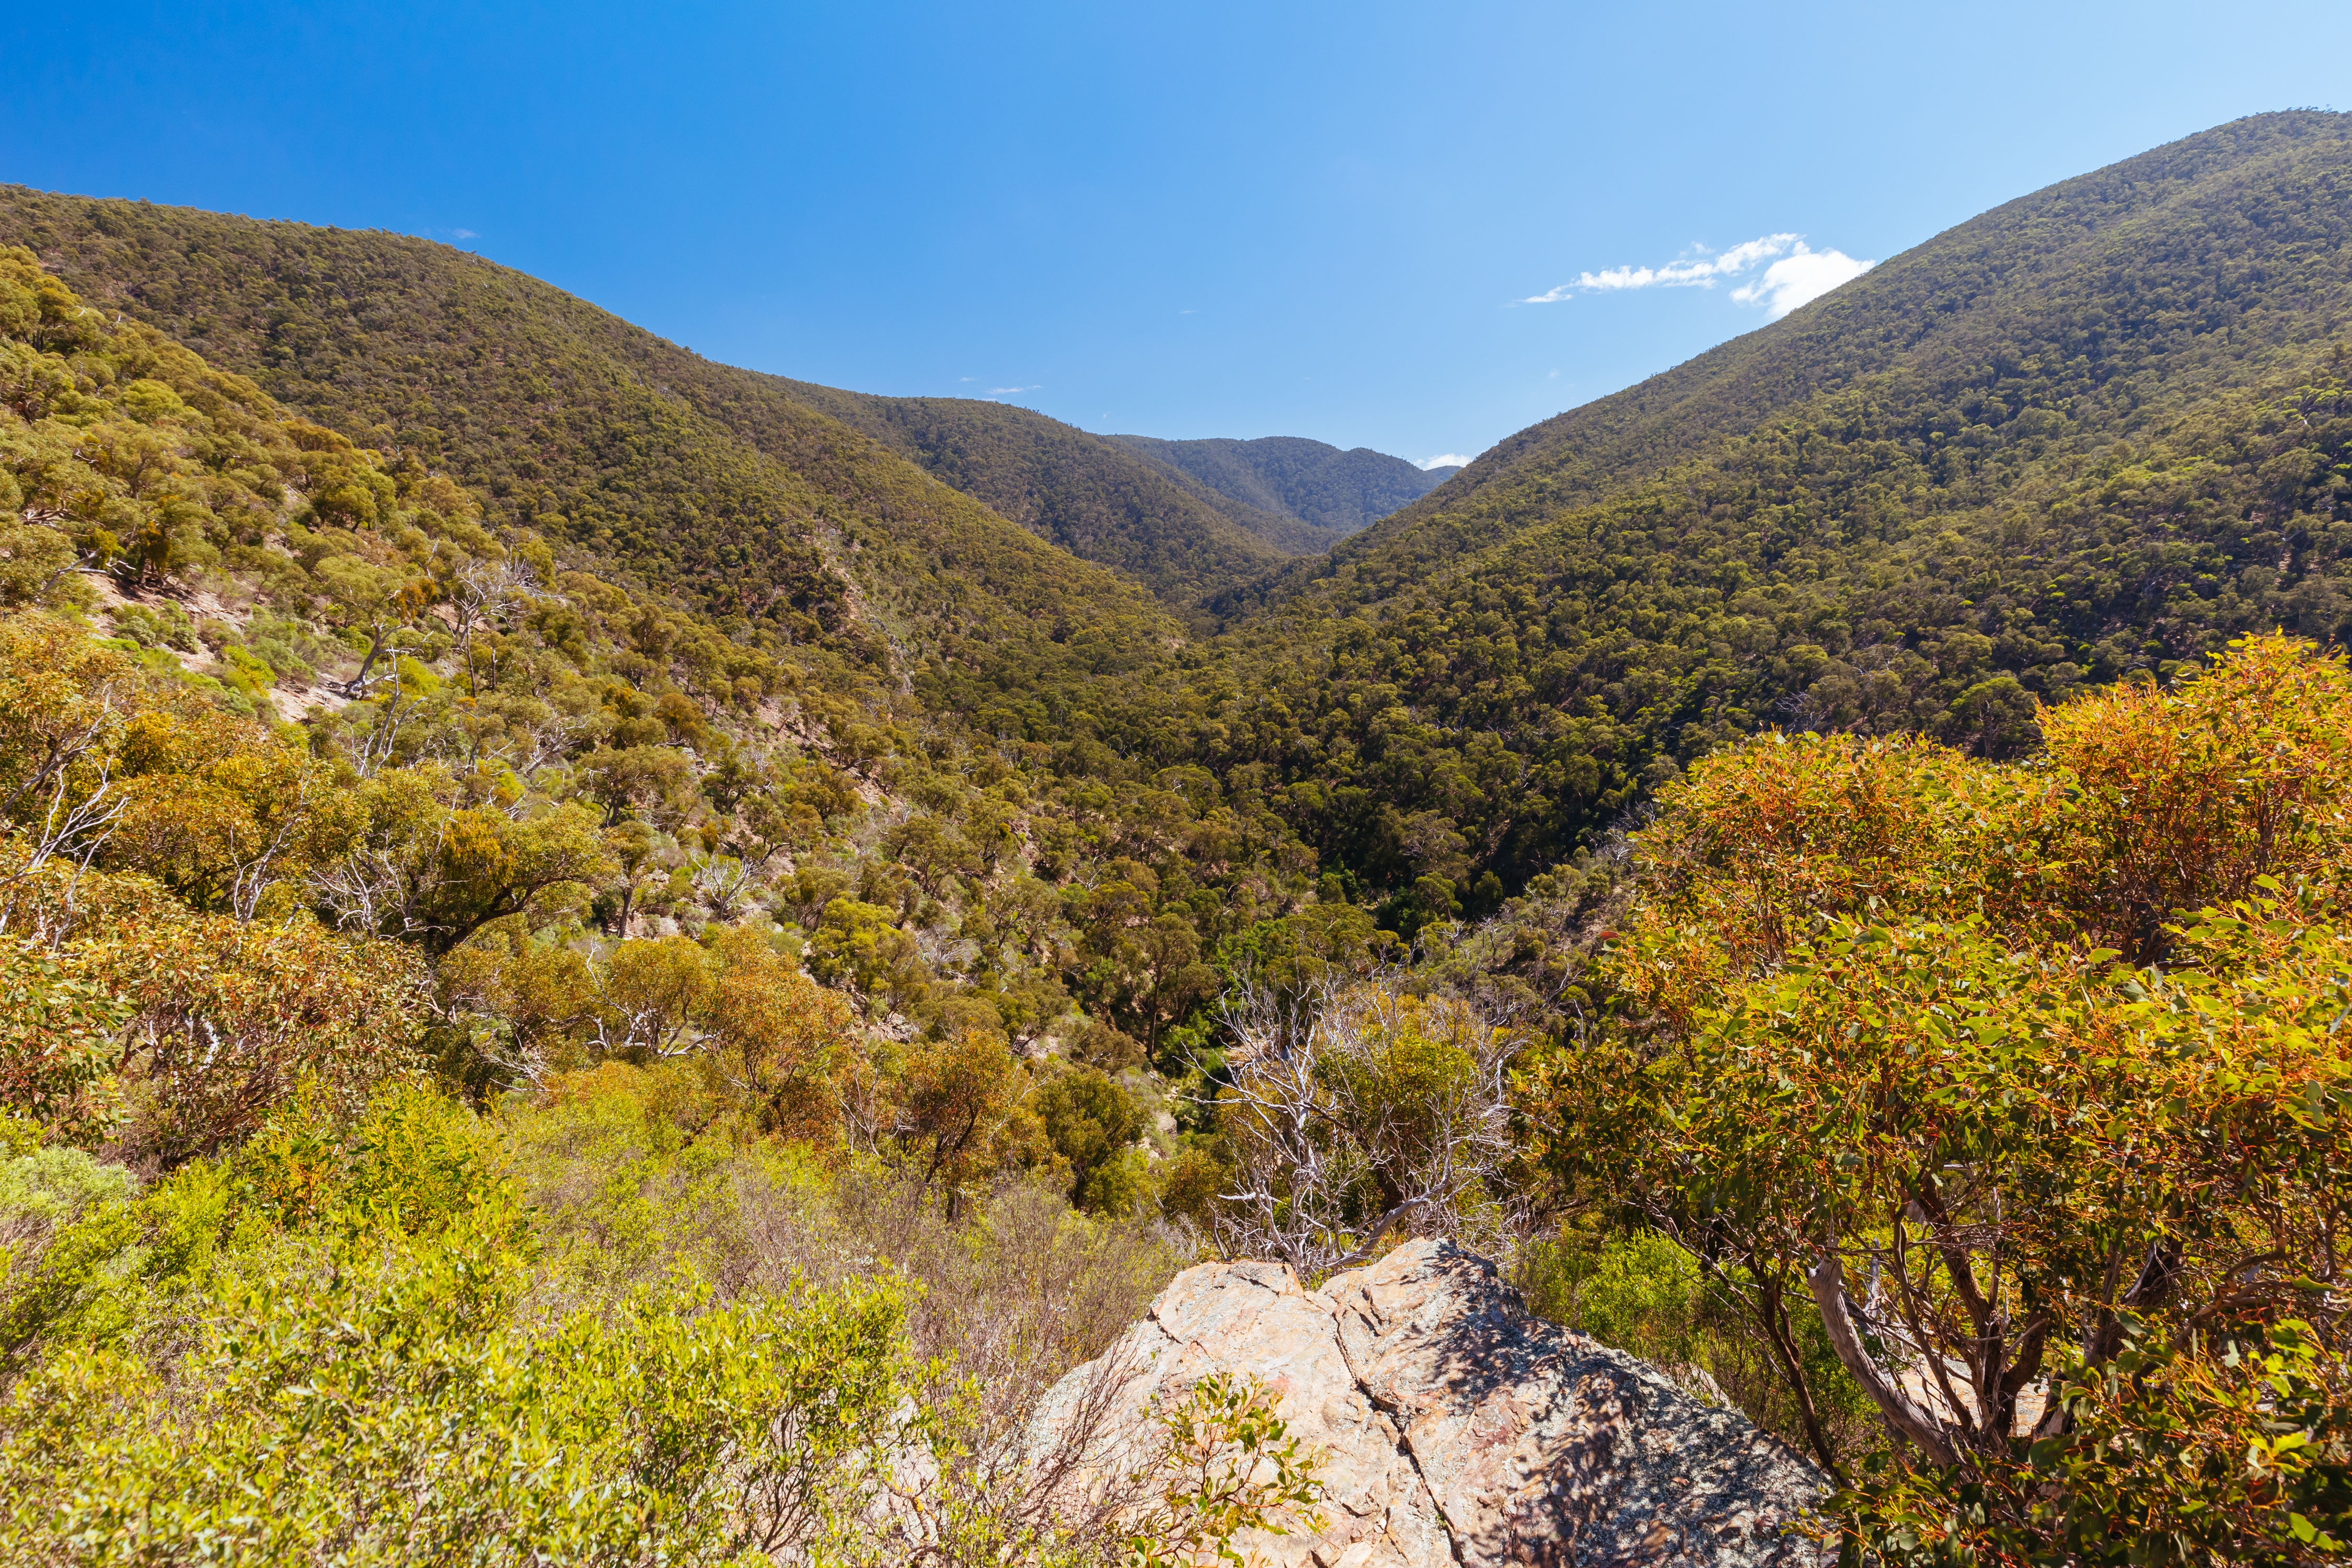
[[1457, 1428]]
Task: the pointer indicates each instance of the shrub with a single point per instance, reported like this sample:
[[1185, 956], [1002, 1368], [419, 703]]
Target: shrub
[[364, 1330], [2036, 1190]]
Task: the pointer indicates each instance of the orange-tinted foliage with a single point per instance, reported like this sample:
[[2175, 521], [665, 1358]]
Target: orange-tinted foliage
[[2149, 803], [230, 1016], [2181, 798]]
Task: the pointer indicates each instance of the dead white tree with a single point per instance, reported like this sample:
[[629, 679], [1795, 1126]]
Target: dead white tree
[[375, 749], [373, 889], [76, 819], [71, 826], [62, 800], [1355, 1109], [478, 591], [722, 883]]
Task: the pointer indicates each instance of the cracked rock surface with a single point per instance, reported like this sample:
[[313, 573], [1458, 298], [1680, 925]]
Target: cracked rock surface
[[1458, 1427]]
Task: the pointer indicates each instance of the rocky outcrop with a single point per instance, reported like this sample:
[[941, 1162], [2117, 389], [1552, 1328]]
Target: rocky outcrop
[[1458, 1428]]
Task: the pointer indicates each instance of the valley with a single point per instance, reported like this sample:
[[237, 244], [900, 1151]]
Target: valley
[[599, 928]]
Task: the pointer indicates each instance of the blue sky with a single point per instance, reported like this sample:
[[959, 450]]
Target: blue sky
[[1182, 221]]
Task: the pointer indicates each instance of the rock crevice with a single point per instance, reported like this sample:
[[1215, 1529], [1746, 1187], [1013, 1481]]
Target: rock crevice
[[1457, 1427]]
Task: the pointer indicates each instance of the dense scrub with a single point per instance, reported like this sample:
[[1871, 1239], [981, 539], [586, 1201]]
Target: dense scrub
[[506, 764], [597, 1327]]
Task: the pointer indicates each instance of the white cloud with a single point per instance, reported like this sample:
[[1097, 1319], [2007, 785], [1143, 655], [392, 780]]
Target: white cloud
[[1699, 272], [1012, 391], [1447, 460], [1797, 280], [465, 234], [1795, 275]]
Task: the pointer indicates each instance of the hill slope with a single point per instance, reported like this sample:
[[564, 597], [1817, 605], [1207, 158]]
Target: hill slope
[[2096, 432], [2153, 281], [484, 717], [1087, 493], [1311, 481], [712, 482]]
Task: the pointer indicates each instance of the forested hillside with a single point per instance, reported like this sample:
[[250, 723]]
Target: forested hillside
[[2147, 285], [1317, 484], [709, 480], [2093, 433]]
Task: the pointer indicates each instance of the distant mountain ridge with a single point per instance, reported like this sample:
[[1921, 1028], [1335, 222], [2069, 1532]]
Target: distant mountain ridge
[[1313, 482], [1089, 494], [1192, 520]]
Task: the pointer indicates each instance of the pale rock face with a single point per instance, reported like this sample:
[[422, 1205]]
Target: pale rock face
[[1459, 1429]]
